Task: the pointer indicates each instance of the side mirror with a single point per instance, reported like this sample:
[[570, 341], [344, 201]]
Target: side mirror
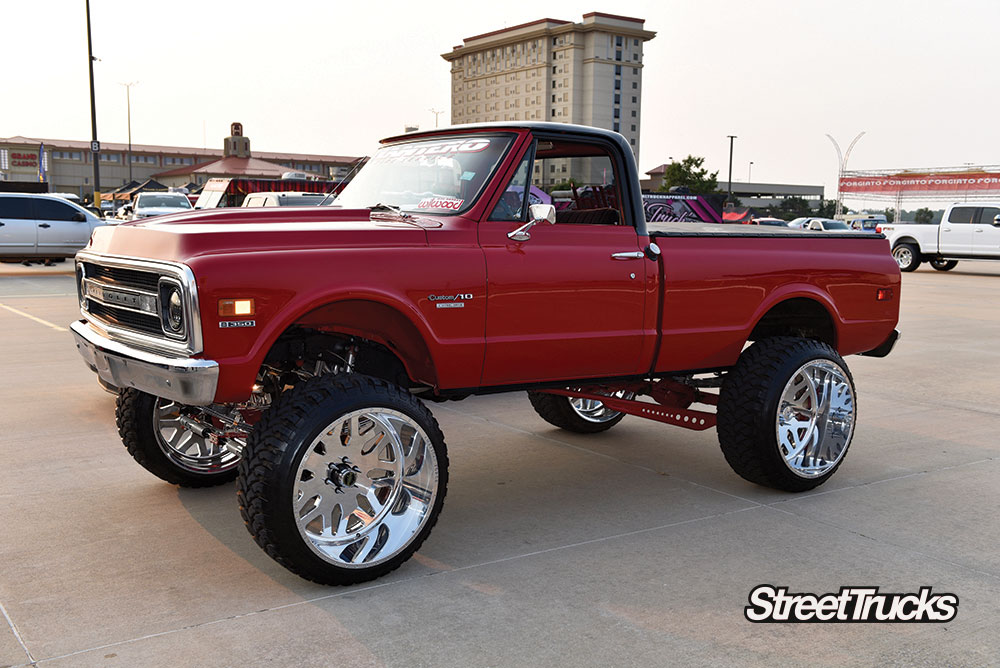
[[539, 213], [996, 221], [79, 217]]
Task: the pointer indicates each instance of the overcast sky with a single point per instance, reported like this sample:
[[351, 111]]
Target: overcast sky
[[332, 77]]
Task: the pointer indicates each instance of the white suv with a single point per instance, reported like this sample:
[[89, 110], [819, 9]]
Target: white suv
[[42, 227]]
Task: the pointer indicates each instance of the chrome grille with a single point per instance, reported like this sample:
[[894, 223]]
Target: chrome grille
[[129, 278], [122, 296], [127, 298], [143, 322]]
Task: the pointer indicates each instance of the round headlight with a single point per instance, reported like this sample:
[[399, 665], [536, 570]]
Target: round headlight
[[175, 310]]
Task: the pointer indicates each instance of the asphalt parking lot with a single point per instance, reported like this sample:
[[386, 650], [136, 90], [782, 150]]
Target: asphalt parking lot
[[634, 547]]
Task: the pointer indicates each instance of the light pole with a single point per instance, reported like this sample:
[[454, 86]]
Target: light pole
[[95, 147], [842, 167], [749, 170], [729, 197], [436, 114], [128, 107]]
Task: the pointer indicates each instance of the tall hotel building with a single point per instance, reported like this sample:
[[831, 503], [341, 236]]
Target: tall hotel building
[[588, 73]]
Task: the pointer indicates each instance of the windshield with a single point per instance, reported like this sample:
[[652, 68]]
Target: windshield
[[443, 175], [177, 201]]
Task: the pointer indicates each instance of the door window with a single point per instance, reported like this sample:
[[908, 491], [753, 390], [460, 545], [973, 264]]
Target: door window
[[46, 209], [962, 214], [987, 214], [18, 208], [513, 203], [580, 179]]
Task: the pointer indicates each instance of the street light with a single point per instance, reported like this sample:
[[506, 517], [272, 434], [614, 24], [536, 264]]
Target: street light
[[729, 198], [749, 170], [128, 107], [436, 114], [95, 147]]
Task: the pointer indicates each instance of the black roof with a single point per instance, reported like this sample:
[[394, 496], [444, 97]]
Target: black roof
[[534, 126]]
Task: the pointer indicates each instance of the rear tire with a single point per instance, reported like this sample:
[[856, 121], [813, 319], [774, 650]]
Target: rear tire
[[343, 478], [583, 417], [786, 413], [944, 265], [907, 256]]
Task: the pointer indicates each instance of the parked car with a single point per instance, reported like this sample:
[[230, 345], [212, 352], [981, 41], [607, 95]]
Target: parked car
[[291, 198], [42, 227], [149, 204], [969, 230], [862, 221], [820, 225], [296, 358], [770, 222]]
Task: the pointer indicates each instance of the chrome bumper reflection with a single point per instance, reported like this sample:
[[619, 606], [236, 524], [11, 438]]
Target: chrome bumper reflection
[[188, 381]]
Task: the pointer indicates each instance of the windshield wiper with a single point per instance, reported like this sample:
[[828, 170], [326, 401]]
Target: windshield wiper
[[390, 209]]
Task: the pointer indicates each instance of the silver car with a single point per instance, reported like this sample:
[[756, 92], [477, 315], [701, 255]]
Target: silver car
[[42, 227]]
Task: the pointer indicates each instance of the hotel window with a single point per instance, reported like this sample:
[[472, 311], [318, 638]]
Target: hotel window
[[618, 40], [618, 70], [111, 157], [618, 55]]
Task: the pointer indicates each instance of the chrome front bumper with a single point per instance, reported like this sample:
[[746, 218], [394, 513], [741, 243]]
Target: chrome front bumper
[[188, 381]]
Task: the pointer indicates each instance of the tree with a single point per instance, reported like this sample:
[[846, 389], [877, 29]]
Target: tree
[[690, 174], [827, 209], [923, 216], [890, 215]]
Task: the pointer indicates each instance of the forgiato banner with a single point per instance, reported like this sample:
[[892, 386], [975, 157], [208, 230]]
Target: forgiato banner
[[930, 182]]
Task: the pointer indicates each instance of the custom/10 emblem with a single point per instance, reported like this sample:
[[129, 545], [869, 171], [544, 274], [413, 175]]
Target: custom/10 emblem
[[450, 301]]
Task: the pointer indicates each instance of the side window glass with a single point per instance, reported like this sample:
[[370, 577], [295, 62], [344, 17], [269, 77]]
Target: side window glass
[[46, 209], [962, 214], [511, 204], [580, 181], [987, 214], [18, 208]]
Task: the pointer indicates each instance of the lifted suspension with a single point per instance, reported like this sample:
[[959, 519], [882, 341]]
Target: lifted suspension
[[673, 400]]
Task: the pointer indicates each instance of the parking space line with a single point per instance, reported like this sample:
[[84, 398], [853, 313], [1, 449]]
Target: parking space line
[[17, 634], [31, 317]]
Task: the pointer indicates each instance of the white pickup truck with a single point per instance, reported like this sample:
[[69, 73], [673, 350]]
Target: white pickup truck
[[969, 231]]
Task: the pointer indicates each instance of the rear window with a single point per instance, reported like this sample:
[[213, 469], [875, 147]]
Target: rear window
[[16, 208], [962, 214]]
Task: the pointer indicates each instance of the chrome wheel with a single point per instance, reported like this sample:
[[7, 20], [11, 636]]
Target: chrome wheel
[[365, 487], [185, 448], [815, 419], [595, 411], [903, 256]]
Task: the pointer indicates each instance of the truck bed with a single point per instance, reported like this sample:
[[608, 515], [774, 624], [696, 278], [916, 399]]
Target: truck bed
[[732, 230]]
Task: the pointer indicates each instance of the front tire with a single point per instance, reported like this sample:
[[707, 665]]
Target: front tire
[[944, 265], [583, 416], [907, 256], [152, 433], [786, 413], [343, 478]]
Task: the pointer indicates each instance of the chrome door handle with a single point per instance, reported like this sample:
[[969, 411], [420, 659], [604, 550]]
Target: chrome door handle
[[947, 229], [978, 230], [628, 255]]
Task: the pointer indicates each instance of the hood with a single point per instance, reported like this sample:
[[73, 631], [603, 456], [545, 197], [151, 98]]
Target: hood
[[180, 237]]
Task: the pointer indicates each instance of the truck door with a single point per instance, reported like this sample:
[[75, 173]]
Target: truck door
[[956, 232], [986, 233], [62, 229], [17, 226], [568, 301]]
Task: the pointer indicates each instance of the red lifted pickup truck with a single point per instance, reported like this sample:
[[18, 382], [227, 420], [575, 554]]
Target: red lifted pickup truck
[[293, 348]]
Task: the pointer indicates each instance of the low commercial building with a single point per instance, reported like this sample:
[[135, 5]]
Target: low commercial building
[[751, 194], [67, 165]]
